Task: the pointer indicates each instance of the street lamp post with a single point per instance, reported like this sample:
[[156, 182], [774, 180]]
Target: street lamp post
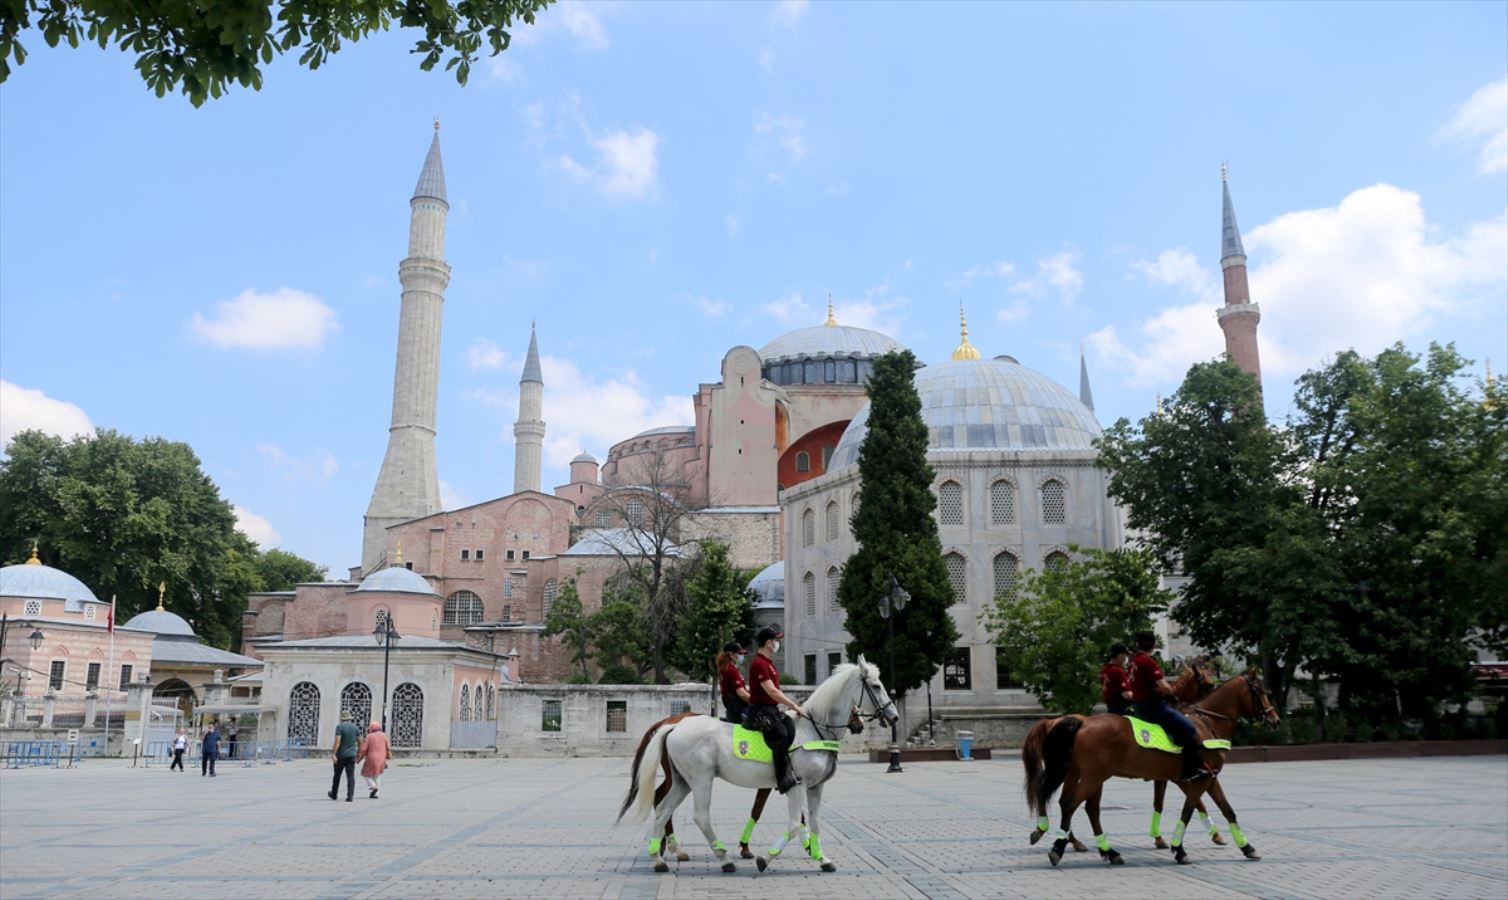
[[890, 606], [385, 635]]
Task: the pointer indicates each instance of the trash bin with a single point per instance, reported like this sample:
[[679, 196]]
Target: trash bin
[[965, 743]]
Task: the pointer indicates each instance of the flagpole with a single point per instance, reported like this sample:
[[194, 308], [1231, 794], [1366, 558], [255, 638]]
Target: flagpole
[[109, 667]]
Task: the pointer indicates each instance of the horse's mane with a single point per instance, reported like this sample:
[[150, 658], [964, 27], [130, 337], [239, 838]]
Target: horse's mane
[[824, 696]]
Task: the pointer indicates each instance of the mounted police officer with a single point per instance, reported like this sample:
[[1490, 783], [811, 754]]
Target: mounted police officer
[[1115, 684], [1151, 693], [765, 700]]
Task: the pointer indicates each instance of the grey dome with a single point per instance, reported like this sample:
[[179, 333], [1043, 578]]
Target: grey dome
[[46, 583], [991, 404], [665, 429], [823, 341], [160, 621], [584, 457], [768, 586], [396, 580]]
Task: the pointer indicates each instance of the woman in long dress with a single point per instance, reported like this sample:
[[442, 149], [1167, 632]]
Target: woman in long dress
[[373, 756]]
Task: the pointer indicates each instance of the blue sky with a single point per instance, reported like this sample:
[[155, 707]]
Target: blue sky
[[656, 183]]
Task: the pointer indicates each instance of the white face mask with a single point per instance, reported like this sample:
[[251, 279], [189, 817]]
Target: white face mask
[[775, 647], [740, 658]]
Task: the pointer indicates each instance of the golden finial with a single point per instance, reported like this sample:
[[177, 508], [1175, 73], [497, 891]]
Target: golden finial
[[964, 350], [37, 562], [831, 319], [162, 588], [1159, 406], [398, 555]]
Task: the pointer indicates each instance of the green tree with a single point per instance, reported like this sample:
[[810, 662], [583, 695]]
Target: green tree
[[1054, 631], [279, 570], [203, 48], [897, 536], [620, 639], [123, 515], [570, 623], [719, 611]]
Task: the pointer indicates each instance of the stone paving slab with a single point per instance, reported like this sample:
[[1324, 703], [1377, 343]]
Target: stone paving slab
[[1435, 827]]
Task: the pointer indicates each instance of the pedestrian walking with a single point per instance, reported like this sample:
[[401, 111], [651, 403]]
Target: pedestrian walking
[[343, 755], [208, 751], [180, 744], [231, 734], [373, 757]]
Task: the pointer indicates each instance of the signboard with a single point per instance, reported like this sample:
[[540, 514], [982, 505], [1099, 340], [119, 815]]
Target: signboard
[[73, 736]]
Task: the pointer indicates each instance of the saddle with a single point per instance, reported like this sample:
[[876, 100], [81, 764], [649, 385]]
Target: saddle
[[750, 745], [1152, 736]]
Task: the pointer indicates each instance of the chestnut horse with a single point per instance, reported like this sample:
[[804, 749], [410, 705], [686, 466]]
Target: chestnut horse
[[1079, 754]]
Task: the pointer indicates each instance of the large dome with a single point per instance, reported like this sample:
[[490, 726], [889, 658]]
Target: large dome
[[33, 579], [396, 580], [824, 341], [988, 404], [160, 621]]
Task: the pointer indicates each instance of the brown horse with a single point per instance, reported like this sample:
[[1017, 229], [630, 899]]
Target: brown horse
[[1079, 754]]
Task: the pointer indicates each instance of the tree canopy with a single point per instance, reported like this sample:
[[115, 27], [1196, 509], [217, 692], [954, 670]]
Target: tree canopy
[[897, 536], [720, 611], [204, 48]]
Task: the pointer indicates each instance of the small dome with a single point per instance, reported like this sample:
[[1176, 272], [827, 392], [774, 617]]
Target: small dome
[[988, 405], [396, 580], [824, 341], [32, 579], [664, 429], [160, 621], [768, 586], [584, 457]]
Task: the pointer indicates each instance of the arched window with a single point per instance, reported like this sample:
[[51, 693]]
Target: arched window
[[832, 520], [408, 715], [634, 510], [809, 588], [507, 587], [808, 528], [950, 503], [1002, 503], [601, 519], [463, 608], [491, 702], [550, 588], [303, 714], [380, 619], [1056, 561], [803, 462], [356, 699], [465, 703], [1054, 502], [832, 590], [958, 576], [1007, 572], [507, 612], [827, 456]]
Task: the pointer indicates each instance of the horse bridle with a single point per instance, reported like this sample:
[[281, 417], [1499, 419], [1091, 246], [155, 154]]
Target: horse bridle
[[856, 714], [1258, 700]]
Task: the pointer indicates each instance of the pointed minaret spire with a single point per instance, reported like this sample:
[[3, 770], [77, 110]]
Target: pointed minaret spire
[[408, 484], [1085, 396], [831, 319], [529, 430], [964, 350], [1239, 316]]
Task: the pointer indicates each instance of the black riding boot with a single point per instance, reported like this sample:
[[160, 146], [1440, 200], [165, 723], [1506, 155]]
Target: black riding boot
[[779, 739], [1193, 766]]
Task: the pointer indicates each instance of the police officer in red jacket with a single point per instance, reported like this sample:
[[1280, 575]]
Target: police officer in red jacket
[[765, 700], [1115, 684], [1152, 694]]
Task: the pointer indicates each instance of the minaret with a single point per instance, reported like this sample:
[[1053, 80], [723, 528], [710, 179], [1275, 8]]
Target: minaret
[[529, 430], [1239, 316], [964, 350], [1085, 397], [408, 486]]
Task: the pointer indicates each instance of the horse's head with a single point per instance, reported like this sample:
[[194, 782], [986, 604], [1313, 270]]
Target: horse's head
[[1204, 674], [874, 692], [1260, 704]]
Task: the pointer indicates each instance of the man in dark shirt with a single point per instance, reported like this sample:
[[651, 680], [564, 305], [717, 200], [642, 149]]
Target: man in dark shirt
[[765, 700], [208, 752], [343, 755], [1151, 691], [1115, 685]]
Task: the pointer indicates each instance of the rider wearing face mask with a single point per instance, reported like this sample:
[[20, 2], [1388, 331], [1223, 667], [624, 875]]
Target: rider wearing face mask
[[765, 700], [735, 692]]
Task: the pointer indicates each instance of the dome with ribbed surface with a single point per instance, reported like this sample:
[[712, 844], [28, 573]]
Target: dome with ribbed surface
[[824, 341], [160, 621], [768, 587], [396, 580], [45, 583], [988, 404]]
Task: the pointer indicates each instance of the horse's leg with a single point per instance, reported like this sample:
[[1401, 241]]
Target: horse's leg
[[814, 845], [1210, 827], [1190, 801], [1159, 794], [671, 844], [1068, 801], [701, 798], [796, 800], [664, 810], [1217, 793], [760, 796], [1101, 839]]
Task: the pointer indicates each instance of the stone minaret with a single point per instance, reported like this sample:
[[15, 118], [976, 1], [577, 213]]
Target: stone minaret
[[1086, 397], [408, 486], [529, 430], [1239, 316]]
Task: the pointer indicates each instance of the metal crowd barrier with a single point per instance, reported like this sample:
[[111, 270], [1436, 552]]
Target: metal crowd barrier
[[37, 753]]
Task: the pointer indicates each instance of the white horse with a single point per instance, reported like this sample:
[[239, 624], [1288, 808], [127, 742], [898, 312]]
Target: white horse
[[701, 750]]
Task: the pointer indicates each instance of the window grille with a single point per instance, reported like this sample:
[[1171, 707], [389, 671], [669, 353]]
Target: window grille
[[491, 703], [958, 576], [1054, 502], [809, 586], [479, 554], [408, 715], [1002, 503], [380, 620], [832, 590], [803, 462], [508, 587], [834, 660], [550, 588], [832, 520], [957, 674], [465, 703], [1057, 561], [634, 510], [1007, 575], [1004, 677], [809, 668], [89, 611], [507, 612], [356, 699], [679, 706], [91, 680], [463, 608], [808, 528], [601, 519], [465, 554], [125, 677], [303, 714], [617, 716], [55, 675], [950, 503], [549, 715], [33, 608]]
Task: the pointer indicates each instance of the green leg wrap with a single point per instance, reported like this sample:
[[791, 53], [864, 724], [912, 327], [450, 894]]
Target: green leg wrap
[[1156, 829], [780, 845], [718, 845], [1102, 841], [1235, 832], [654, 847], [815, 848], [1061, 835], [1178, 835], [748, 832], [1209, 826], [1042, 823]]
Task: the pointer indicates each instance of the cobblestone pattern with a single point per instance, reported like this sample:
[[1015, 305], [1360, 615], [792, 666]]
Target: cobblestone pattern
[[543, 828]]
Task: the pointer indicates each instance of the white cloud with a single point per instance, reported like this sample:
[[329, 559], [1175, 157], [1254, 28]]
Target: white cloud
[[627, 164], [789, 310], [876, 310], [788, 132], [711, 307], [836, 189], [1015, 311], [28, 409], [1002, 269], [284, 319], [789, 12], [733, 225], [1482, 123], [257, 528], [1362, 274], [582, 21], [317, 466], [483, 354], [502, 67], [450, 498], [1055, 273]]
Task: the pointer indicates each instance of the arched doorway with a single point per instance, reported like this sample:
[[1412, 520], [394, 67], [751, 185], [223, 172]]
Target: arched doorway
[[408, 715], [356, 699], [176, 692], [303, 714]]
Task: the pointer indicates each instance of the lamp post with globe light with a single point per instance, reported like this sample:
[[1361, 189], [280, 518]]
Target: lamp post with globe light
[[386, 636], [891, 604]]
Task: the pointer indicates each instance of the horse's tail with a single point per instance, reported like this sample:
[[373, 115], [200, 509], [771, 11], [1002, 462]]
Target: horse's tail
[[1045, 756], [640, 800]]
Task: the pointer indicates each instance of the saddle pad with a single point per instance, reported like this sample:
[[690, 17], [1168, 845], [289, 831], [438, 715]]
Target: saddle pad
[[1152, 736], [750, 745], [830, 746]]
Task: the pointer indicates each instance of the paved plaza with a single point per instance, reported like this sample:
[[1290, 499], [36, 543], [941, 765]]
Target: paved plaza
[[543, 828]]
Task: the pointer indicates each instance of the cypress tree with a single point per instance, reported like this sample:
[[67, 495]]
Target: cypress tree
[[897, 535]]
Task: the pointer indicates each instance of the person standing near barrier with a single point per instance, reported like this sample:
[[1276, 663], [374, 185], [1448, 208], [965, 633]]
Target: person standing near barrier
[[180, 744], [343, 755], [230, 735], [373, 758], [209, 751]]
